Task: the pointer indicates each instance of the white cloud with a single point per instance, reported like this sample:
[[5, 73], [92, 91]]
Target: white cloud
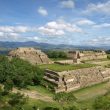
[[85, 22], [105, 40], [42, 11], [15, 37], [58, 28], [50, 31], [67, 4], [104, 25], [1, 33], [100, 8], [18, 29]]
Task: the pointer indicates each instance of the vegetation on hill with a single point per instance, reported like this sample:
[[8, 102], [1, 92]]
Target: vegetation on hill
[[56, 54], [19, 73]]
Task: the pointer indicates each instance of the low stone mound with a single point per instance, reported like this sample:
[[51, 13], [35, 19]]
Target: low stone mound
[[34, 56]]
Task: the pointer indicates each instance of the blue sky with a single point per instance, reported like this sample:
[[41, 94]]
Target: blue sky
[[75, 22]]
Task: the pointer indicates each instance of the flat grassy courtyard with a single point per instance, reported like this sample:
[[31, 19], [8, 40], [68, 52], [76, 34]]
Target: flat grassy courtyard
[[59, 68]]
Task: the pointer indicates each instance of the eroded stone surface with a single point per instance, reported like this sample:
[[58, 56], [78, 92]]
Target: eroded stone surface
[[75, 79], [78, 56], [34, 56]]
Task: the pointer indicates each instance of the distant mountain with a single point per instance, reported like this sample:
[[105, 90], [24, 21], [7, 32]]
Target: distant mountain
[[11, 45]]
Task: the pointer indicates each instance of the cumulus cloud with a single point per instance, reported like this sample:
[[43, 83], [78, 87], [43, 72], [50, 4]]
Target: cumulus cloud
[[42, 11], [100, 8], [67, 4], [105, 40], [49, 31], [85, 22], [15, 33], [58, 28], [8, 36], [19, 29]]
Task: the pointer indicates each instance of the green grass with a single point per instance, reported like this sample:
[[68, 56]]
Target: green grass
[[40, 104], [97, 60], [59, 68], [92, 91], [41, 90], [58, 59], [85, 96]]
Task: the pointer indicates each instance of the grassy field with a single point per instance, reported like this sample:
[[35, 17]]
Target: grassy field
[[41, 90], [59, 68], [85, 96], [58, 59]]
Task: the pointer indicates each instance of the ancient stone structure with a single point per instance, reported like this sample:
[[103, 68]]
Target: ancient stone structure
[[78, 56], [75, 79], [34, 56], [63, 62]]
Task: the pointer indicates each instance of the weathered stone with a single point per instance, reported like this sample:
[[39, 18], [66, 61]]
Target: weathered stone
[[75, 79], [34, 56], [78, 56]]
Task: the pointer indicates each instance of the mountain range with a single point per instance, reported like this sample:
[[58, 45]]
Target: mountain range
[[44, 46]]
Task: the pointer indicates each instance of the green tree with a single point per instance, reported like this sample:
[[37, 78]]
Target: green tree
[[65, 98], [19, 73], [71, 108], [17, 100]]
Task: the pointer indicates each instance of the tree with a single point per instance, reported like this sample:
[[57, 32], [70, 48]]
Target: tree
[[17, 100], [71, 108], [65, 97], [19, 73], [8, 85], [56, 54], [51, 108]]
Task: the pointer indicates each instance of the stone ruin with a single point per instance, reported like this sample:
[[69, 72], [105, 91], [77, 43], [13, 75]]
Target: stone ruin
[[78, 56], [67, 81], [34, 56]]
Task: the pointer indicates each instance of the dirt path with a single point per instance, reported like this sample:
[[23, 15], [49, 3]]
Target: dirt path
[[34, 95]]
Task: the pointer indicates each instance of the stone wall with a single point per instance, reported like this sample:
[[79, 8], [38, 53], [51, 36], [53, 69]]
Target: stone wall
[[75, 79], [86, 55], [34, 56]]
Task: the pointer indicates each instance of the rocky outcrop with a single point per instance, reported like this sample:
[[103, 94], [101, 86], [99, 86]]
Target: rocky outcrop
[[75, 79], [34, 56]]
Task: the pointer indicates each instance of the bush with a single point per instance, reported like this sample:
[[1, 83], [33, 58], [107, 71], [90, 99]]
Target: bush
[[56, 54], [102, 103], [51, 108], [17, 100], [63, 97], [71, 108], [19, 73]]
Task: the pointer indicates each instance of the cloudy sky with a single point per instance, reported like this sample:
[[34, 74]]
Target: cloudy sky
[[75, 22]]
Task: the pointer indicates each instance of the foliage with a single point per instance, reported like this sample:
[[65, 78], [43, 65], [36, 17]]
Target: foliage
[[63, 97], [17, 100], [71, 108], [56, 54], [51, 108], [108, 56], [19, 73], [102, 103]]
